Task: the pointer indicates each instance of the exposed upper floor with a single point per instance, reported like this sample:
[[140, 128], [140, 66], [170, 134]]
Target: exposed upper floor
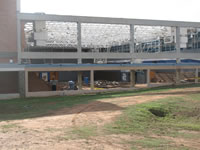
[[41, 38]]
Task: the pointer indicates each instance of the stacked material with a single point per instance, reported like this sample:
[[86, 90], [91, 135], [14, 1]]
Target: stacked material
[[106, 84]]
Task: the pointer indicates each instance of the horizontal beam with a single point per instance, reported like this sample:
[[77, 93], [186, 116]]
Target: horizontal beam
[[111, 67], [7, 54], [166, 55], [11, 69], [72, 55], [9, 96], [95, 67], [103, 20]]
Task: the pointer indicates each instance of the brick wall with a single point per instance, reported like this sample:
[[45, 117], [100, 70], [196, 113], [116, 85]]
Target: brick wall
[[8, 27], [8, 82]]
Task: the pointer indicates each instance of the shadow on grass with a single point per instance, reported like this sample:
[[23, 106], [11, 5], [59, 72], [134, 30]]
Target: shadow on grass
[[39, 107]]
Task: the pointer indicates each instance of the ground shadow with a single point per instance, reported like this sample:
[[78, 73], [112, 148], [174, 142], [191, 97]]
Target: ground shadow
[[40, 107], [33, 111]]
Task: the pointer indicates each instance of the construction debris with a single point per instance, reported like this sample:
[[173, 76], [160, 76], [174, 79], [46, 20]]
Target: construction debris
[[106, 84]]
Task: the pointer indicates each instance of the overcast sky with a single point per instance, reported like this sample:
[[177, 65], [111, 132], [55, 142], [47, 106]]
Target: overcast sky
[[181, 10]]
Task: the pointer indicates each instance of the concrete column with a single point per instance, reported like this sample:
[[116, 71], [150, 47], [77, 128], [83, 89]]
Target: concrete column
[[23, 83], [178, 60], [80, 80], [196, 75], [92, 79], [79, 61], [19, 48], [178, 43], [148, 77], [18, 6], [79, 49], [132, 78], [178, 75], [132, 43]]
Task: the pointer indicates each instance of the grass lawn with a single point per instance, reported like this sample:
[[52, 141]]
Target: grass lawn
[[38, 107], [174, 117], [172, 122]]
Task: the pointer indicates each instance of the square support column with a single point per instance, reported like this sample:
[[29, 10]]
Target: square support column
[[196, 75], [132, 31], [92, 79], [18, 6], [79, 45], [132, 78], [178, 76], [148, 77], [23, 83], [80, 80], [19, 47], [178, 50]]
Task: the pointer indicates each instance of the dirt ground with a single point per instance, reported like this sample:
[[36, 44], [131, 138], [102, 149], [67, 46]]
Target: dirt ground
[[49, 133]]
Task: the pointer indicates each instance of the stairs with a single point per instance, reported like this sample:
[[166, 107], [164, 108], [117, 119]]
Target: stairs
[[169, 77], [164, 77], [35, 84]]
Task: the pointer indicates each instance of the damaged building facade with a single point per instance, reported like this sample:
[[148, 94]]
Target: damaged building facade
[[96, 53]]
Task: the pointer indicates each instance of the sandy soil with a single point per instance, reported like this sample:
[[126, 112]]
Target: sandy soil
[[50, 132]]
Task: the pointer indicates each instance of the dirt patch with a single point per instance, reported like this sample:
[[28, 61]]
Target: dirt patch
[[44, 132]]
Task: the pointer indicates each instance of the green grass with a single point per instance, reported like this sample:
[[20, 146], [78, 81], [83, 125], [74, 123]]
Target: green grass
[[182, 113], [181, 120], [38, 107], [150, 142], [156, 144], [84, 132], [81, 132]]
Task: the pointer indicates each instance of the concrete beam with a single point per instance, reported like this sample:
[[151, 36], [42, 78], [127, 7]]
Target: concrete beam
[[110, 67], [92, 79], [103, 20], [9, 96], [8, 54], [71, 55]]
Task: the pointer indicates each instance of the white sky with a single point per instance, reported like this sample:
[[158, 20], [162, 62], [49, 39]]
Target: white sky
[[180, 10]]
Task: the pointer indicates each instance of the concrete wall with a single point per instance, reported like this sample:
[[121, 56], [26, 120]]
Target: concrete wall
[[8, 29], [8, 82], [107, 75]]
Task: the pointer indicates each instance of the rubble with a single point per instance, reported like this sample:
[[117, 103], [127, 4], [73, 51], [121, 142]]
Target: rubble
[[106, 84]]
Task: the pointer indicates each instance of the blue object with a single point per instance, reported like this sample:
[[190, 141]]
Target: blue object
[[86, 80]]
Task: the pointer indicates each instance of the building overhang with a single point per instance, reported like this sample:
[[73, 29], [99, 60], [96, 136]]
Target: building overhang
[[11, 67], [95, 67]]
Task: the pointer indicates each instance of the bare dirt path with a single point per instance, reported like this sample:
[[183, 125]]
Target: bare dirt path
[[48, 132]]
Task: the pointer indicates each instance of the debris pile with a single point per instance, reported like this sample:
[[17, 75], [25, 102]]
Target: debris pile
[[106, 84]]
